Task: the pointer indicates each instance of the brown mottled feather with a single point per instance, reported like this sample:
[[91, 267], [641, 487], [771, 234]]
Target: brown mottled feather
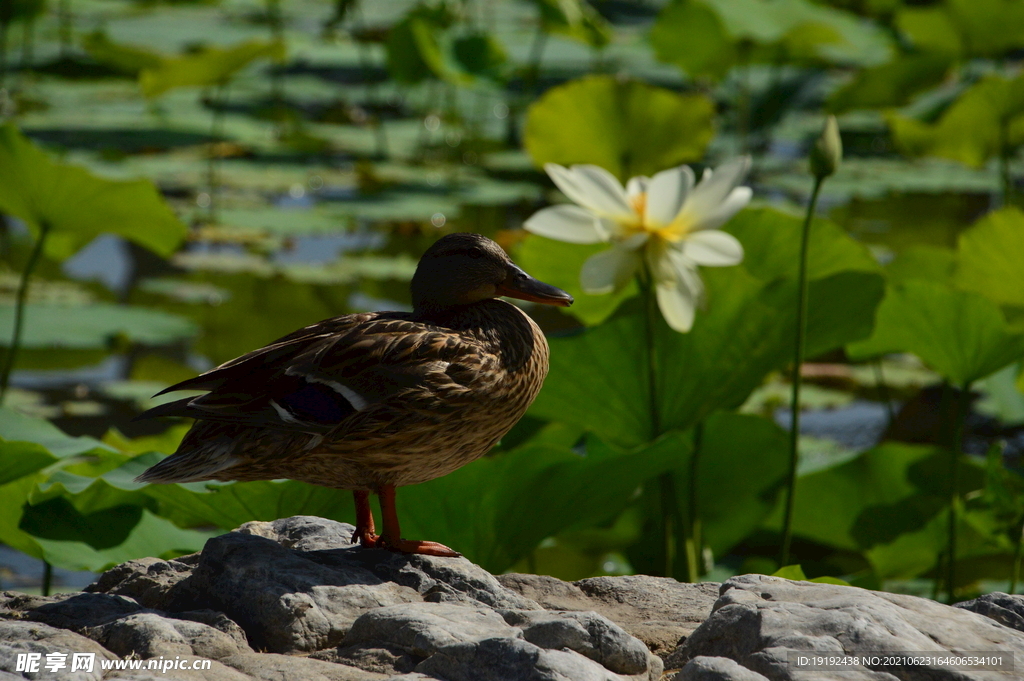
[[441, 389]]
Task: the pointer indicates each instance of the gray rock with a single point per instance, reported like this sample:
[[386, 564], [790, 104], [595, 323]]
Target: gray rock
[[148, 581], [590, 635], [286, 600], [759, 620], [70, 611], [511, 659], [657, 610], [34, 637], [703, 668], [460, 642], [297, 584], [421, 629], [1006, 609], [149, 635], [435, 579], [218, 621]]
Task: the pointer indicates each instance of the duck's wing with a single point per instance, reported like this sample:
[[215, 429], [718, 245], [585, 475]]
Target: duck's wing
[[317, 378]]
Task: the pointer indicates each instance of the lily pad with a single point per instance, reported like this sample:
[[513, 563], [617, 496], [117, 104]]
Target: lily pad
[[93, 326], [208, 67]]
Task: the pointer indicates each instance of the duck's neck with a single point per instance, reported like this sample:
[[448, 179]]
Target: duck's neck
[[502, 327]]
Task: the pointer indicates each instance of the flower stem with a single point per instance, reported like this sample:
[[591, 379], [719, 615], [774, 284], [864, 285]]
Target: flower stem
[[798, 358], [19, 308], [1004, 161], [692, 528], [216, 126], [666, 481], [883, 389], [955, 447]]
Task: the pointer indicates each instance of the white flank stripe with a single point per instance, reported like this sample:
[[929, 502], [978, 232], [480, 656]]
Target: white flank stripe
[[283, 413], [357, 401]]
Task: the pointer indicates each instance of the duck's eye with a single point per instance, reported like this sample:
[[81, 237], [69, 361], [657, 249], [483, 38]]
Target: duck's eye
[[475, 252]]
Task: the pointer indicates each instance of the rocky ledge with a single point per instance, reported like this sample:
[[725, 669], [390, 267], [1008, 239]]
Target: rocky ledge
[[293, 599]]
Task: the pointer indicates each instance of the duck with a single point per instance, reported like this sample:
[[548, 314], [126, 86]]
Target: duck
[[370, 402]]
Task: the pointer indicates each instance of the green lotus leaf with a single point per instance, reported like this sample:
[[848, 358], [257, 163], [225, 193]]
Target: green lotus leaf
[[76, 205], [990, 254], [983, 120], [128, 59], [211, 66], [960, 334], [574, 19], [629, 128]]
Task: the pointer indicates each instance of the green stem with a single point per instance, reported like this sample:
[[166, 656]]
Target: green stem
[[743, 104], [3, 52], [64, 27], [955, 447], [1004, 161], [540, 40], [798, 358], [667, 488], [28, 39], [883, 389], [47, 578], [692, 528], [1017, 544], [667, 483], [19, 308], [216, 127]]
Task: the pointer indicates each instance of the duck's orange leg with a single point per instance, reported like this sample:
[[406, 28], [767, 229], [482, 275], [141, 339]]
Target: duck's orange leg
[[365, 532], [391, 538]]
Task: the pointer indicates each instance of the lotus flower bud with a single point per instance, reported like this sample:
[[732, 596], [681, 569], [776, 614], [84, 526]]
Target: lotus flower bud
[[827, 151]]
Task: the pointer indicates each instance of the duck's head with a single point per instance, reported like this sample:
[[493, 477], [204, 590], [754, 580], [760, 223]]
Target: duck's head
[[462, 269]]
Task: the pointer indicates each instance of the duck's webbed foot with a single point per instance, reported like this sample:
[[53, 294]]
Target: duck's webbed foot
[[391, 538], [423, 548]]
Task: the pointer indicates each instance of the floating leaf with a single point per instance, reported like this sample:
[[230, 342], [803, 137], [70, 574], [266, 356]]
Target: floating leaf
[[962, 335], [629, 128], [574, 19], [96, 325], [78, 206], [722, 32], [207, 67], [128, 59]]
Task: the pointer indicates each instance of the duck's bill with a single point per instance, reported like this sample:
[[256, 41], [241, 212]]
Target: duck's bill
[[519, 284]]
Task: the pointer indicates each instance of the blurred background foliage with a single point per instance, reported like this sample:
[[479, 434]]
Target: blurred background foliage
[[182, 181]]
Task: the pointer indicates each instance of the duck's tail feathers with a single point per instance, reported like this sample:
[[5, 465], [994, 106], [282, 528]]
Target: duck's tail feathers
[[194, 465]]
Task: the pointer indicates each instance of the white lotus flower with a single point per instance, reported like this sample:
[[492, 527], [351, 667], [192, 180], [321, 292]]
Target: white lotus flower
[[664, 220]]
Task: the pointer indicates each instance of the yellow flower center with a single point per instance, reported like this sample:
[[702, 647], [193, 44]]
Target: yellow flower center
[[674, 231]]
